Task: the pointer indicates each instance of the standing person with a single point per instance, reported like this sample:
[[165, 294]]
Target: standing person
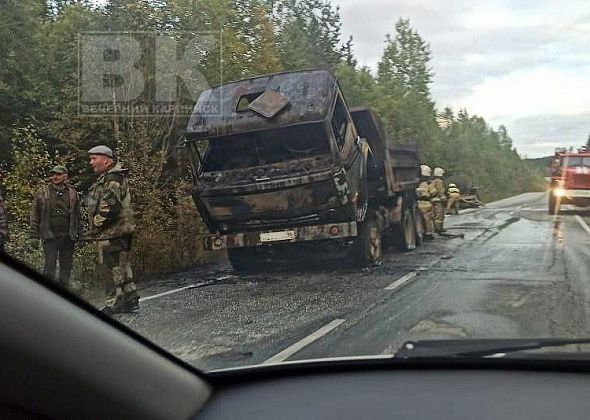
[[112, 226], [454, 195], [424, 193], [3, 224], [55, 219], [439, 200]]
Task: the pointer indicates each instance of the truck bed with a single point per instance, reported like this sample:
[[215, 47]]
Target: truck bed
[[396, 166]]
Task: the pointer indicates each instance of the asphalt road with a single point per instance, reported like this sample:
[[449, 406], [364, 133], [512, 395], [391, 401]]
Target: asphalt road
[[518, 272]]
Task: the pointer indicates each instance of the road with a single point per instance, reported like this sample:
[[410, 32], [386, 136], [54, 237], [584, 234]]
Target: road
[[518, 272]]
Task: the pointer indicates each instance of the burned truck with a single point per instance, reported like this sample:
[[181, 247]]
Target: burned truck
[[280, 162]]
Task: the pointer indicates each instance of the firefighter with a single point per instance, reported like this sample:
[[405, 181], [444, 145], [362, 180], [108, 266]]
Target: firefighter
[[454, 194], [425, 192], [439, 200]]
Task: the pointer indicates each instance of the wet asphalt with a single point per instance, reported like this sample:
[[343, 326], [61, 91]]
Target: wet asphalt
[[518, 272]]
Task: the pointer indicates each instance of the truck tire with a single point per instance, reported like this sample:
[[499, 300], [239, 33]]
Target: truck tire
[[405, 233], [368, 248], [553, 205], [244, 259]]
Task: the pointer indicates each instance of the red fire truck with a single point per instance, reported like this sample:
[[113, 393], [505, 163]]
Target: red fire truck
[[570, 179]]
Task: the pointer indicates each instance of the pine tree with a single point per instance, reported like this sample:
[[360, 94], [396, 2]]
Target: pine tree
[[309, 33], [405, 60]]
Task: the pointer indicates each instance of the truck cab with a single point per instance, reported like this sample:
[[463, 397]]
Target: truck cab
[[276, 158], [570, 180], [280, 162]]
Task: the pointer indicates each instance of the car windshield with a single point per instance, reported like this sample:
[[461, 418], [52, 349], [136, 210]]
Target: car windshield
[[261, 182]]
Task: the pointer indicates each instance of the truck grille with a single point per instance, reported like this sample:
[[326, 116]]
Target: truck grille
[[579, 181]]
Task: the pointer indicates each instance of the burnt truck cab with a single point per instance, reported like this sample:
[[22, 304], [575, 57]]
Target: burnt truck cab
[[277, 159], [570, 180]]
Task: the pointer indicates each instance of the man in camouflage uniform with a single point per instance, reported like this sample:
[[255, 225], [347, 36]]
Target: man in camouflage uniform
[[112, 226], [55, 219], [439, 200], [3, 225], [424, 192]]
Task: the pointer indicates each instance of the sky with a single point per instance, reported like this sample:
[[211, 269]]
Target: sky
[[524, 64]]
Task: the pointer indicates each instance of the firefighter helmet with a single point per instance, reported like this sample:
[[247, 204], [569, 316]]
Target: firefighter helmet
[[425, 170], [439, 172]]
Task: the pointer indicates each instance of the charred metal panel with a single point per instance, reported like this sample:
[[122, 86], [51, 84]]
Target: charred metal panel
[[295, 234], [269, 104], [285, 202], [310, 95], [342, 187], [282, 174]]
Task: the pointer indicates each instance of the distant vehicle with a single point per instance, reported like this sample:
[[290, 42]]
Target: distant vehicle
[[570, 179], [280, 160]]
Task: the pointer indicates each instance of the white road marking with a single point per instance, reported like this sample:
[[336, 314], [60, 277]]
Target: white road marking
[[291, 350], [411, 275], [582, 223], [467, 211], [169, 292], [532, 209], [402, 280]]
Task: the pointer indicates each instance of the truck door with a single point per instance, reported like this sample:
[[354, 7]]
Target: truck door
[[349, 154]]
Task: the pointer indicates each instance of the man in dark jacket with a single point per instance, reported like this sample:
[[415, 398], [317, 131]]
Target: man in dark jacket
[[55, 219], [3, 224]]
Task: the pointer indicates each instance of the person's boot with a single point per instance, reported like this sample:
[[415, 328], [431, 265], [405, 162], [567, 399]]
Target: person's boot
[[132, 304], [114, 305]]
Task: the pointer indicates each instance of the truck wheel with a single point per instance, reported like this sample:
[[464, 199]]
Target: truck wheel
[[419, 224], [405, 234], [244, 259], [553, 206], [368, 244]]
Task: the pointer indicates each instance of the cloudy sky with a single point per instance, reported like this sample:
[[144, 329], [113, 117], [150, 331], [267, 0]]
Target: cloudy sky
[[524, 64]]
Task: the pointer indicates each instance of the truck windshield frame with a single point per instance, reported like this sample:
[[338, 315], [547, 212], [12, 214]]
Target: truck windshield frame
[[262, 148]]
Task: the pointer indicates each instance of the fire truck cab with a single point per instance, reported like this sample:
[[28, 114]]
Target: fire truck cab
[[570, 179]]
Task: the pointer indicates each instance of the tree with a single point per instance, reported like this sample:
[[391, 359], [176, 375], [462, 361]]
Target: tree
[[21, 66], [404, 79], [347, 53], [505, 140], [405, 60], [309, 33]]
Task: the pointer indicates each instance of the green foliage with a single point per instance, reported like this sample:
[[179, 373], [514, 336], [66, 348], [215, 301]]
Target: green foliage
[[309, 33], [405, 61], [476, 155], [32, 163]]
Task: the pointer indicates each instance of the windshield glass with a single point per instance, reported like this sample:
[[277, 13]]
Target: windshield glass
[[270, 181], [572, 161]]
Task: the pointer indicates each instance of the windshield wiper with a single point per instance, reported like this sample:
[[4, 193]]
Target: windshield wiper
[[465, 348]]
